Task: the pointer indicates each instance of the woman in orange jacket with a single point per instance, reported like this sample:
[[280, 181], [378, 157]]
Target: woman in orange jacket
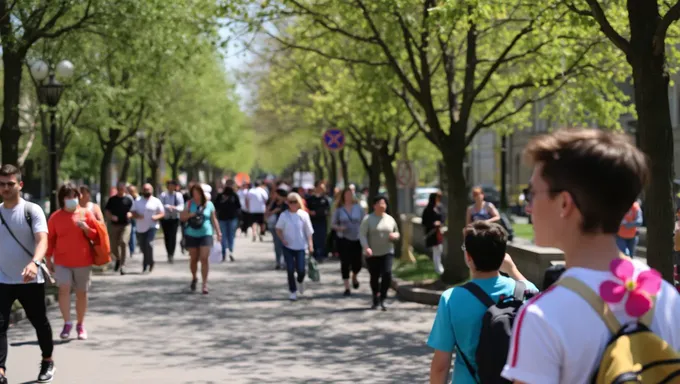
[[627, 237], [69, 255]]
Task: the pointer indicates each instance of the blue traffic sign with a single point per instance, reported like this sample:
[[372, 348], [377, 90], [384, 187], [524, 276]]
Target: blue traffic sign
[[334, 139]]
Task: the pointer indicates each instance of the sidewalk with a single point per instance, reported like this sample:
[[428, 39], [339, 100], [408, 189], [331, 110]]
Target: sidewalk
[[151, 329]]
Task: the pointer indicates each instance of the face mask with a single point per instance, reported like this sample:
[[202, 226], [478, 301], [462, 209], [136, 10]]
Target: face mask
[[71, 204], [146, 194]]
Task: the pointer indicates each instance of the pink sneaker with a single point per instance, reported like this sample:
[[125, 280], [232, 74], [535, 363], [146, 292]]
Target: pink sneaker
[[82, 333], [66, 332]]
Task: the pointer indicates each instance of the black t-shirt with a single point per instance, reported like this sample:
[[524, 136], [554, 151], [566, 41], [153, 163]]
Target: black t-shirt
[[320, 205], [227, 206], [119, 207]]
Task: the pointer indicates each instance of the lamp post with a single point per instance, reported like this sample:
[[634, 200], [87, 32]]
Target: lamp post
[[49, 93], [141, 136]]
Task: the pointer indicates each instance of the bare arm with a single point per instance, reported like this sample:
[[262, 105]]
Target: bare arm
[[98, 213], [495, 216], [440, 367], [40, 246], [215, 224]]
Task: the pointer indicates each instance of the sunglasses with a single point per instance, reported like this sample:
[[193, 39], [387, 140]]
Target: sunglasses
[[9, 184]]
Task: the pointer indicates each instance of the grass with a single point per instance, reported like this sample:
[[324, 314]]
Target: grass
[[422, 269], [525, 231]]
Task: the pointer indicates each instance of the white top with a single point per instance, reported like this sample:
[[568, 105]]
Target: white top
[[174, 199], [13, 259], [147, 207], [296, 228], [257, 200], [558, 338], [242, 199]]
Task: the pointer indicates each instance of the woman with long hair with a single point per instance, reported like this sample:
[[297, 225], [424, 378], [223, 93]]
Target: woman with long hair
[[86, 202], [199, 214], [432, 219], [378, 232], [228, 209], [346, 222], [69, 255], [294, 228]]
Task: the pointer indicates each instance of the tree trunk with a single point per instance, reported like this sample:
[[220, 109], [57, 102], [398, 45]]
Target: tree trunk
[[125, 169], [153, 170], [332, 166], [374, 175], [385, 163], [9, 132], [318, 169], [343, 167], [105, 174], [455, 269], [651, 81]]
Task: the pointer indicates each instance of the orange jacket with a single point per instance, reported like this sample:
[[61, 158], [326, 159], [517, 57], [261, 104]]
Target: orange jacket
[[631, 221], [67, 243]]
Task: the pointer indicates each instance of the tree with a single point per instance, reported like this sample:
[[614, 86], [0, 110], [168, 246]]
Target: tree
[[643, 40]]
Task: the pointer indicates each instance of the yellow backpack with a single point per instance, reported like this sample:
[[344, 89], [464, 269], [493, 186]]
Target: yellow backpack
[[634, 354]]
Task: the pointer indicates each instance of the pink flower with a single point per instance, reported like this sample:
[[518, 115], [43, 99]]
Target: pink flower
[[640, 291]]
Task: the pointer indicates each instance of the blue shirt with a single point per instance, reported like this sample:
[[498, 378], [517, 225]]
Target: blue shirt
[[207, 228], [459, 318]]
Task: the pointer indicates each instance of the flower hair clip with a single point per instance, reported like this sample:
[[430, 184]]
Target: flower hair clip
[[640, 291]]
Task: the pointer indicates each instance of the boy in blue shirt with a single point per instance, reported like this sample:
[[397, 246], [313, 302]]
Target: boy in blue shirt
[[459, 316]]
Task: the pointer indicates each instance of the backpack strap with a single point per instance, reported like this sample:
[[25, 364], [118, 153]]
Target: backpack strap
[[469, 367], [479, 293], [520, 291], [595, 301], [28, 217]]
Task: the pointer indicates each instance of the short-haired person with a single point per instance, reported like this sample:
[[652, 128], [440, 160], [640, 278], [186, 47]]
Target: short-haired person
[[457, 325], [148, 210], [583, 183]]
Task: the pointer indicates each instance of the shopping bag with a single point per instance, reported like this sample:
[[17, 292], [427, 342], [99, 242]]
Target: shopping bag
[[215, 253], [313, 269]]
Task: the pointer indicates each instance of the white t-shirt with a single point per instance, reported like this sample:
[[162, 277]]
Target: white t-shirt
[[257, 200], [13, 258], [242, 199], [296, 228], [558, 337], [148, 208]]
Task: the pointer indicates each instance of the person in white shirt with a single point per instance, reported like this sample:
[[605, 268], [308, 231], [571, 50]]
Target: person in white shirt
[[148, 211], [294, 228], [245, 215], [256, 204], [173, 204], [583, 183]]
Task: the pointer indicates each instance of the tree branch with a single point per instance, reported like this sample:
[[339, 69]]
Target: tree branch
[[671, 16], [408, 38], [606, 27]]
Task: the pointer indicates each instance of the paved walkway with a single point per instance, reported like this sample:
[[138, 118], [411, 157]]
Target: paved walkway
[[151, 329]]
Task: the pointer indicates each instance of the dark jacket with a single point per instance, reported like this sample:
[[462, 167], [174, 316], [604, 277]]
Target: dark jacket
[[430, 215], [227, 205]]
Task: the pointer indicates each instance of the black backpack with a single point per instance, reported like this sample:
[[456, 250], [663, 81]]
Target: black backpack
[[494, 338]]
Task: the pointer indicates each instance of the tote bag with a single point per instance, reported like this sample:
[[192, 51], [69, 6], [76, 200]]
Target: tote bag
[[215, 253]]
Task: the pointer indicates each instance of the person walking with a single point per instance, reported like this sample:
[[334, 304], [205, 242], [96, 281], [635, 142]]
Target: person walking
[[173, 203], [256, 202], [346, 222], [432, 221], [277, 205], [319, 206], [69, 255], [23, 235], [134, 195], [85, 201], [118, 215], [378, 233], [228, 208], [294, 228], [628, 237], [245, 214], [199, 214], [148, 211]]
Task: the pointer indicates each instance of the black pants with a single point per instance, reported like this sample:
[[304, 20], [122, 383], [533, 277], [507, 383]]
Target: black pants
[[32, 299], [145, 240], [170, 235], [380, 268], [350, 257]]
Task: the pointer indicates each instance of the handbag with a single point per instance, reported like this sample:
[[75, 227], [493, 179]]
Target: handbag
[[313, 269], [43, 268], [196, 222]]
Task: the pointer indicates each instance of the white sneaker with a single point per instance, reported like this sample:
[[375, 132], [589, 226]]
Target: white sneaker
[[301, 288], [293, 296]]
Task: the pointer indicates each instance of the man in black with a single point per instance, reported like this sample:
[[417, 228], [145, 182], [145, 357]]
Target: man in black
[[117, 212], [319, 207]]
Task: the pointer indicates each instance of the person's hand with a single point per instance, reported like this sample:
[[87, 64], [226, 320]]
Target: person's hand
[[311, 249], [219, 237], [82, 225], [284, 242], [340, 228], [115, 218], [170, 208], [369, 252], [437, 223], [394, 236], [30, 272], [312, 213], [508, 265]]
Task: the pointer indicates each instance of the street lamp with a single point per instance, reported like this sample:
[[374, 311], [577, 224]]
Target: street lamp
[[49, 93], [141, 136]]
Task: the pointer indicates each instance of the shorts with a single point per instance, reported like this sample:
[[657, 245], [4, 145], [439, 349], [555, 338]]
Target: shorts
[[198, 242], [78, 278], [256, 218]]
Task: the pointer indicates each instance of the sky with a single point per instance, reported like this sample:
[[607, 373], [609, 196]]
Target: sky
[[236, 60]]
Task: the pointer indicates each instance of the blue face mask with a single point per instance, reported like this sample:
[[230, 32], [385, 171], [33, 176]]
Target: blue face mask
[[71, 204]]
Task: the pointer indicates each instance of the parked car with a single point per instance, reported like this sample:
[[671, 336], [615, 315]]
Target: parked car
[[421, 198]]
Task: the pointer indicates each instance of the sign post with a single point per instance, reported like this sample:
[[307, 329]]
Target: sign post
[[407, 180]]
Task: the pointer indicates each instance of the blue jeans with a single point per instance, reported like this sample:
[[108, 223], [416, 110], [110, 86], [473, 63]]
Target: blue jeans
[[278, 247], [319, 240], [133, 236], [228, 228], [146, 246], [295, 260], [627, 246]]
